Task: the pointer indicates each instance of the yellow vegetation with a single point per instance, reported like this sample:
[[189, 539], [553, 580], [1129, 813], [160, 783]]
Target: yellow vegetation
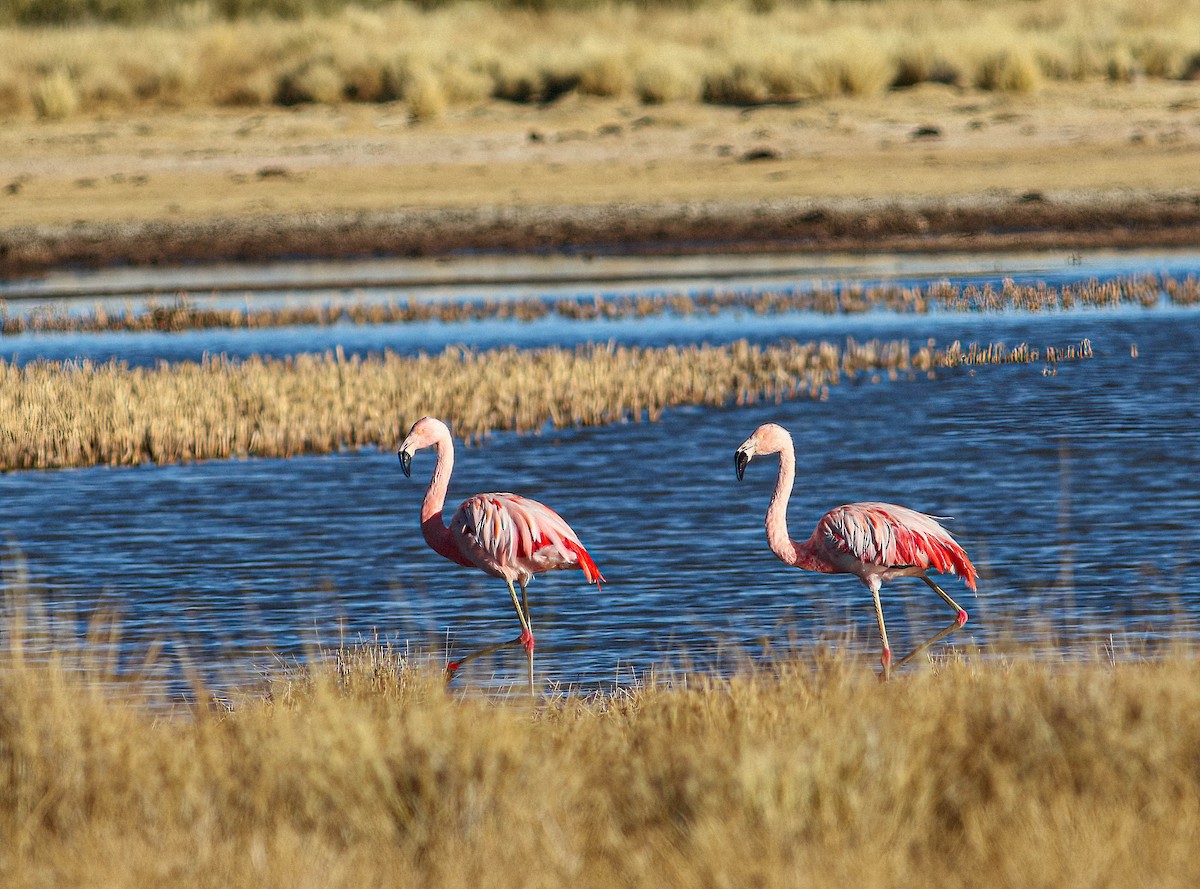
[[461, 53], [361, 771], [83, 413]]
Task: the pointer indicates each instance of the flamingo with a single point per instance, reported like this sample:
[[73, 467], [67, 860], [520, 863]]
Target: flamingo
[[504, 535], [873, 541]]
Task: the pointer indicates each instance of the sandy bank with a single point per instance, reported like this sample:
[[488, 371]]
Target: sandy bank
[[934, 168]]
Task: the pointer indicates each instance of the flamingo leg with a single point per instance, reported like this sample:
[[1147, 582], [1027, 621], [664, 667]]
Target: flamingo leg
[[886, 659], [526, 629], [529, 624], [959, 620]]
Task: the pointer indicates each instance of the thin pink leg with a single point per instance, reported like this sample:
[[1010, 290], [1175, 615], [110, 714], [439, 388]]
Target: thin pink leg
[[886, 658], [960, 618], [526, 636]]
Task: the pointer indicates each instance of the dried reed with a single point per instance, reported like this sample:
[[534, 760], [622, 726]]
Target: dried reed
[[1147, 291], [65, 414], [990, 772]]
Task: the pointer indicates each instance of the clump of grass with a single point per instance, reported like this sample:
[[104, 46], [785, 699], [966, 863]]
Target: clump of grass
[[55, 96], [1003, 771], [664, 80], [83, 413], [314, 81], [924, 63], [1010, 70], [1165, 55], [856, 65], [742, 54], [605, 72], [424, 94]]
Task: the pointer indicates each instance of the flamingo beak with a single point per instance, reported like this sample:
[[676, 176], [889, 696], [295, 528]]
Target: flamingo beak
[[740, 458], [405, 456]]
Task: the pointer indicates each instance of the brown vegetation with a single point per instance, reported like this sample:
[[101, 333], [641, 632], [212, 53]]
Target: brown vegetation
[[360, 770], [83, 413], [1147, 291]]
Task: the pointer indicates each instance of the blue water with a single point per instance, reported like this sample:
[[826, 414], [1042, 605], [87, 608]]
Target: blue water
[[759, 274], [1075, 493]]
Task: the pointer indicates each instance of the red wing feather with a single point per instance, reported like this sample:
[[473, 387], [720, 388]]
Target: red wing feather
[[896, 537], [506, 532]]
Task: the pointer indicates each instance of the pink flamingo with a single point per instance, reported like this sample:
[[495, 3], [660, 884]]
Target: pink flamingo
[[873, 541], [503, 534]]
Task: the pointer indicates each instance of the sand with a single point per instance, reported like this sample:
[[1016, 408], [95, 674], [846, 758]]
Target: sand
[[931, 168]]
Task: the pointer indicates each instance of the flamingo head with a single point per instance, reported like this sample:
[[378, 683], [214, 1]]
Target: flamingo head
[[769, 438], [425, 432]]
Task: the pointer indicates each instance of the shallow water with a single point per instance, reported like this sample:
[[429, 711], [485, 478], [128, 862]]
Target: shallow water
[[550, 278], [1075, 494]]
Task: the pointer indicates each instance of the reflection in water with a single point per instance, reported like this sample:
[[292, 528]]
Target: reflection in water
[[1074, 493]]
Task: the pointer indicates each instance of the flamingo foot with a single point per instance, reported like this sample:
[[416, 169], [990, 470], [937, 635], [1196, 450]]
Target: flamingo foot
[[451, 669]]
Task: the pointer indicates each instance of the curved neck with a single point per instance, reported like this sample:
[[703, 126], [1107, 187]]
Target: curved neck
[[777, 534], [434, 529]]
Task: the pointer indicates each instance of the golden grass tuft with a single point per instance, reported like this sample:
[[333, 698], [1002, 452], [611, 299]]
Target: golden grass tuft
[[55, 96], [424, 94], [83, 413], [741, 53], [359, 770], [1010, 70], [605, 72]]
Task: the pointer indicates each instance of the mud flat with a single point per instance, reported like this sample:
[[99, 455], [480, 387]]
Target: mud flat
[[1074, 166]]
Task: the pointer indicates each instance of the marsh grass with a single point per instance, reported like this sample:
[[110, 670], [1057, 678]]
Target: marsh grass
[[65, 414], [437, 56], [1147, 291], [359, 769]]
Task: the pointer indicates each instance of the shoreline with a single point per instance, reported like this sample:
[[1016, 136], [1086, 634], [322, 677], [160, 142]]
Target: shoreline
[[1032, 221], [931, 169]]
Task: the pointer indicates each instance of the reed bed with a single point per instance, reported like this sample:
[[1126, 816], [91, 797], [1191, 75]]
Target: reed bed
[[1146, 291], [435, 57], [69, 414], [361, 770]]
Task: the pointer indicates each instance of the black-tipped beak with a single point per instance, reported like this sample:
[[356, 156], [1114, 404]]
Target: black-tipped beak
[[740, 459], [405, 462]]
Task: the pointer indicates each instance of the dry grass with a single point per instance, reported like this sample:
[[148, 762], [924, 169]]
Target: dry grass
[[462, 53], [83, 413], [979, 772], [1147, 291]]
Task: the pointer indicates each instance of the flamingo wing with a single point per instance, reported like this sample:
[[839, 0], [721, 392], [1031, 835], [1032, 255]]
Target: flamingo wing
[[509, 536], [887, 536]]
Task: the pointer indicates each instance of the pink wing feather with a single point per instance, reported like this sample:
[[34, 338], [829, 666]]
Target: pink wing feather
[[894, 536], [509, 535]]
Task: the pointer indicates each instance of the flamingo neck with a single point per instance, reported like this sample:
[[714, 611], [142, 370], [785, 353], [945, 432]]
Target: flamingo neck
[[777, 533], [433, 527]]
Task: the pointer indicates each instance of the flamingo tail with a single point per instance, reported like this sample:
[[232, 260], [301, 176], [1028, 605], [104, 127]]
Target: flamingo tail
[[586, 565], [948, 557]]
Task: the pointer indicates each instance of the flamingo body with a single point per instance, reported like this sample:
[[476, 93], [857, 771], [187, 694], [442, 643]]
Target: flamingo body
[[874, 541], [513, 537], [505, 535], [885, 540]]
